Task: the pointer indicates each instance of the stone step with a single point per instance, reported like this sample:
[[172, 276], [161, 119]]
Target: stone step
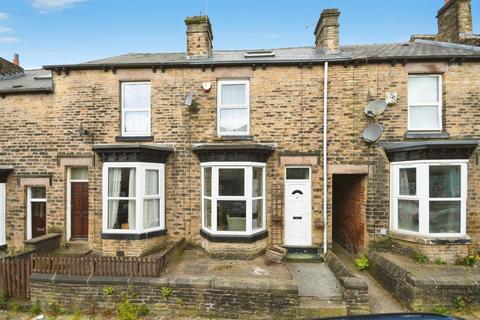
[[304, 254], [74, 249], [310, 308]]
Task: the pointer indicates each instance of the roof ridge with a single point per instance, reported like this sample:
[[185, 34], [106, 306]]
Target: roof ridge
[[448, 45]]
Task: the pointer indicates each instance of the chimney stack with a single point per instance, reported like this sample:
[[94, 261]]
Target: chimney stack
[[454, 20], [327, 31], [199, 37], [16, 59]]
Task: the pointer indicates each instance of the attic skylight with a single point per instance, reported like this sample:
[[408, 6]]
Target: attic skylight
[[259, 54]]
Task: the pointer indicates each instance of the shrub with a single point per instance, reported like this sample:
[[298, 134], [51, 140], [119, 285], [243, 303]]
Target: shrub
[[165, 292], [3, 302], [440, 261], [459, 303], [36, 309], [143, 310], [108, 291], [16, 307], [441, 310], [420, 258], [126, 310], [468, 261], [362, 263], [55, 310]]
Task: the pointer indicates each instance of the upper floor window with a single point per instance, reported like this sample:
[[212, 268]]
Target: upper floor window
[[429, 197], [233, 114], [425, 102], [136, 109]]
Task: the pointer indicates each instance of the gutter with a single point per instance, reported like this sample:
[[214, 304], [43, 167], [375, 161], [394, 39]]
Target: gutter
[[325, 156]]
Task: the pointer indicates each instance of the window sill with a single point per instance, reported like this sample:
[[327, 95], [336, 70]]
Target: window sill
[[133, 236], [433, 240], [134, 139], [427, 135], [234, 238], [235, 138]]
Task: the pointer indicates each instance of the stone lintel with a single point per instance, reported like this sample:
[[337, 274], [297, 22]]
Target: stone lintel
[[299, 160], [347, 169]]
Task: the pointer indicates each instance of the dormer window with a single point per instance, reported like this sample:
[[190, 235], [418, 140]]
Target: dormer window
[[233, 114], [136, 109], [425, 103]]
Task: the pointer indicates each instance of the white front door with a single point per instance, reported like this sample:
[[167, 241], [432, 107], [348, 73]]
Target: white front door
[[298, 207]]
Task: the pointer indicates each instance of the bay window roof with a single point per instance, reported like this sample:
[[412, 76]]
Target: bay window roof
[[135, 152], [253, 152]]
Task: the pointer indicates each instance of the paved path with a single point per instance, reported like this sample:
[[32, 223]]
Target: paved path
[[315, 280], [380, 300]]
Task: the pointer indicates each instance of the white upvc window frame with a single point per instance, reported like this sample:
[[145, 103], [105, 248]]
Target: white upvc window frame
[[31, 200], [140, 169], [438, 104], [422, 188], [3, 210], [124, 109], [220, 84], [248, 196]]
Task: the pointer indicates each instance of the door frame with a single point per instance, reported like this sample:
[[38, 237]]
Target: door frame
[[29, 209], [3, 206], [69, 200], [285, 200]]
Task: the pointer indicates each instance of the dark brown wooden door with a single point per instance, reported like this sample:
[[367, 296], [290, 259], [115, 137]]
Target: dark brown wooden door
[[79, 209], [39, 219]]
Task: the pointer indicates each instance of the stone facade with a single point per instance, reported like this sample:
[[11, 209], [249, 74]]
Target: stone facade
[[43, 135]]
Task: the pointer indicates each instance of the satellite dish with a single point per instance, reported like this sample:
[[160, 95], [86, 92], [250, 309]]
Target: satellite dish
[[372, 133], [375, 108], [189, 100]]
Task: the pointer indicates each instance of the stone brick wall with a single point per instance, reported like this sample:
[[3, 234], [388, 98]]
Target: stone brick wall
[[192, 297], [354, 289], [286, 109], [454, 19], [349, 198], [423, 292]]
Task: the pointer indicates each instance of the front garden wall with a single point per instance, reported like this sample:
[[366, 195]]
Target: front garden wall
[[216, 297], [420, 293]]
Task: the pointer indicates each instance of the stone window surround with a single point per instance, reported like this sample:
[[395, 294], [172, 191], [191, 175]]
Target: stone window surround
[[139, 232], [211, 233], [424, 216]]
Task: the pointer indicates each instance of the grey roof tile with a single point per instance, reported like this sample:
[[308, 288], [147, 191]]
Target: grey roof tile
[[418, 48], [30, 81]]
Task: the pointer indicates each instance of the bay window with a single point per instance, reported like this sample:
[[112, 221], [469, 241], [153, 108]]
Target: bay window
[[233, 114], [429, 197], [424, 102], [133, 197], [233, 197], [136, 113]]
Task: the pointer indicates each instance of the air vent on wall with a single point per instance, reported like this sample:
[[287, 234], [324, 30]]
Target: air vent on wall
[[259, 54]]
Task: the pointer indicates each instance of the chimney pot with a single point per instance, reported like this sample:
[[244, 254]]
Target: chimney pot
[[199, 37], [16, 59], [327, 31]]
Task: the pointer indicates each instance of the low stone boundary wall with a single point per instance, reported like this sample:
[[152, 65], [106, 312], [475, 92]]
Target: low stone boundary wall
[[355, 290], [422, 293], [202, 296]]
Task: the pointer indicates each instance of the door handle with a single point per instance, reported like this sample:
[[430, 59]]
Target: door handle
[[297, 218]]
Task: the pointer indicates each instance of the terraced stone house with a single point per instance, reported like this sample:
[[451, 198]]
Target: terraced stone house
[[235, 150]]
